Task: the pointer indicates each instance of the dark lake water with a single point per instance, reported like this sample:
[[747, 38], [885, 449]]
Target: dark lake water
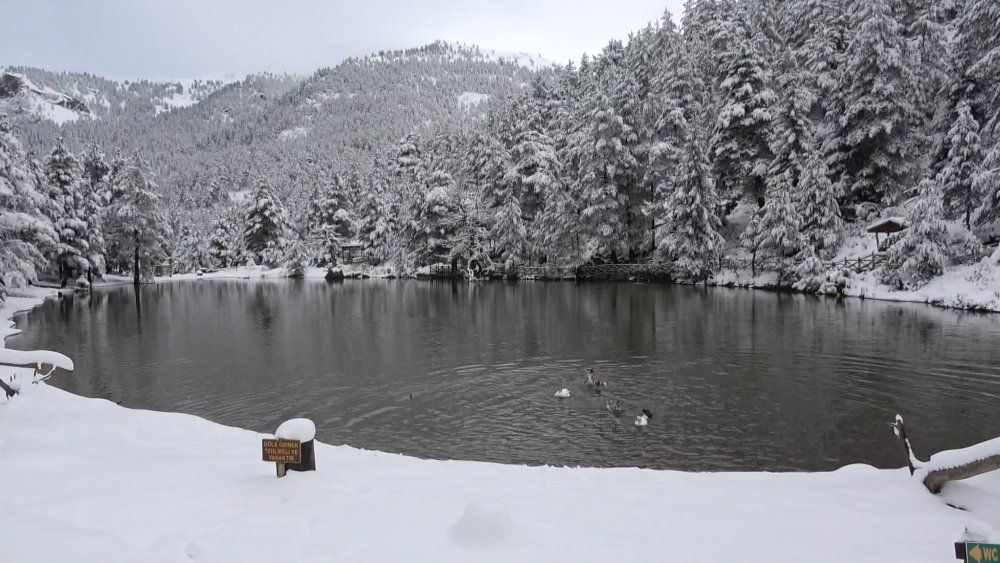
[[736, 379]]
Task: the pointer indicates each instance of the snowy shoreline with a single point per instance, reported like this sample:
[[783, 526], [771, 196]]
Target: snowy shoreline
[[974, 287], [100, 482]]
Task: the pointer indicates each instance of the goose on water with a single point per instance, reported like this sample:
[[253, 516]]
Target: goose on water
[[643, 418]]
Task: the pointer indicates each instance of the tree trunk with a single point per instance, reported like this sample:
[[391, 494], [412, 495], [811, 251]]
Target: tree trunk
[[936, 479], [7, 389], [135, 267]]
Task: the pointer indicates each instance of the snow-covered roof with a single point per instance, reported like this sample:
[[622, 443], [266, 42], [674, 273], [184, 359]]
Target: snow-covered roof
[[885, 224]]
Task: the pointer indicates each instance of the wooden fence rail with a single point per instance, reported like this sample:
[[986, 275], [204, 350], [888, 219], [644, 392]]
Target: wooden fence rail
[[859, 265]]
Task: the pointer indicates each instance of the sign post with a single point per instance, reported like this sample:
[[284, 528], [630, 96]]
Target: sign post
[[281, 452], [976, 552]]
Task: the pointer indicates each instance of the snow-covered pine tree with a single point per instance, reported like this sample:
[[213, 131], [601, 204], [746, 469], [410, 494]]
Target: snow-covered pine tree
[[919, 255], [987, 183], [265, 231], [928, 28], [297, 257], [792, 131], [965, 156], [95, 194], [328, 223], [134, 224], [435, 220], [62, 171], [378, 220], [814, 34], [822, 224], [534, 170], [740, 150], [224, 242], [192, 249], [26, 234], [776, 233], [678, 90], [507, 238], [691, 241], [509, 233], [608, 166], [876, 153], [977, 58]]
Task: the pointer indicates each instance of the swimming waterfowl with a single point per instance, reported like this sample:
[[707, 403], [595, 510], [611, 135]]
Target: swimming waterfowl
[[615, 407], [643, 418], [592, 380], [562, 393]]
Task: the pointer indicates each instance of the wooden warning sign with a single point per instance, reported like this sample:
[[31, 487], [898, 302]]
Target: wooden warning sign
[[282, 451]]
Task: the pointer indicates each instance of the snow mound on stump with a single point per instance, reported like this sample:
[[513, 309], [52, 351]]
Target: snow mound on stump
[[484, 523]]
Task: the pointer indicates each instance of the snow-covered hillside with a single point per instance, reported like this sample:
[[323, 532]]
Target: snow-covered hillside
[[19, 95], [64, 97]]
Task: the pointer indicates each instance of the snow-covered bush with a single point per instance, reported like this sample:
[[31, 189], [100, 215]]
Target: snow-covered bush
[[812, 276]]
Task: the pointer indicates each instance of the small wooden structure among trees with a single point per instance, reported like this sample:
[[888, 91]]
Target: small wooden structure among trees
[[352, 252], [886, 226]]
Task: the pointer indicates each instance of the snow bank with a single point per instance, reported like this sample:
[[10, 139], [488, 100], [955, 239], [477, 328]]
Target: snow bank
[[98, 482]]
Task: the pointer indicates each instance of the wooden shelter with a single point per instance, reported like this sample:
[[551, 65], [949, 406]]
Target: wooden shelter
[[886, 226], [352, 252]]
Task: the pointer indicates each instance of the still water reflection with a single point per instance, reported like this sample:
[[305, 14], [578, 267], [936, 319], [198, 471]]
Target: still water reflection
[[737, 380]]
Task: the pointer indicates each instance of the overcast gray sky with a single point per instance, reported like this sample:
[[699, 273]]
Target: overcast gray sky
[[197, 38]]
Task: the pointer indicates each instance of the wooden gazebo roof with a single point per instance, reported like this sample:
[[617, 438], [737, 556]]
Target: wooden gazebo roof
[[887, 225]]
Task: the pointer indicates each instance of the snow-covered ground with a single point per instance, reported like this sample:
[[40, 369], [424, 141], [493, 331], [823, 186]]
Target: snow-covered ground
[[87, 480], [98, 482], [969, 286]]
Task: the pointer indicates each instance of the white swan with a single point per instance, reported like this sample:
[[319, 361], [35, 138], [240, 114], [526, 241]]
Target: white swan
[[562, 393]]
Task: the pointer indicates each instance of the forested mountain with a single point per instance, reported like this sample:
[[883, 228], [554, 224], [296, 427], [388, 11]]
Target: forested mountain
[[811, 114]]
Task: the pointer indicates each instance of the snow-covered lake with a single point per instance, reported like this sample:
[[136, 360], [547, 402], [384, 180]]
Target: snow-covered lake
[[736, 380]]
